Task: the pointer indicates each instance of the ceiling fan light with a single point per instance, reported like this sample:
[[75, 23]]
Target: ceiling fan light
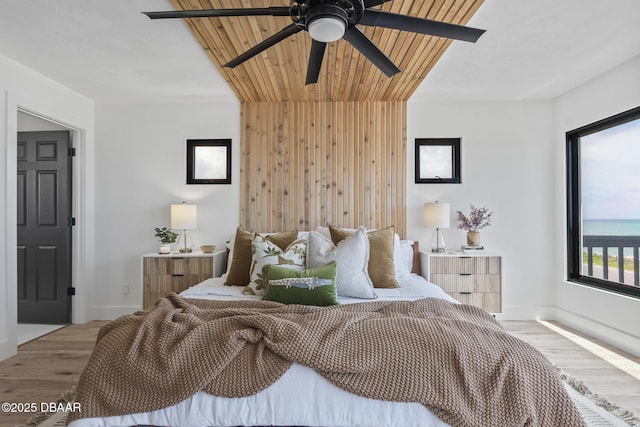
[[326, 29]]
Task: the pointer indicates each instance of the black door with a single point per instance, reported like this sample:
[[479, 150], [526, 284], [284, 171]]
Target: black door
[[44, 227]]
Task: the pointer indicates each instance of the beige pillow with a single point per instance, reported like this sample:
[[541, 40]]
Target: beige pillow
[[283, 239], [381, 267], [238, 274]]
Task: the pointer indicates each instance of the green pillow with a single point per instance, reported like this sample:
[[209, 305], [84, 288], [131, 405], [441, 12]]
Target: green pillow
[[317, 286]]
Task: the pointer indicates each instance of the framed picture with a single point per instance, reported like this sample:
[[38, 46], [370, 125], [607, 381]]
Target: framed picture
[[208, 161], [438, 160]]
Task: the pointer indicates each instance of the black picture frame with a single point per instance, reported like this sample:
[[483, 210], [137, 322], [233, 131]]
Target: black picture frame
[[437, 161], [208, 161]]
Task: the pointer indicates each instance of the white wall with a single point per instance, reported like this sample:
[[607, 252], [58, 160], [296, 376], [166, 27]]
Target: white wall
[[22, 88], [140, 171], [507, 165], [608, 316]]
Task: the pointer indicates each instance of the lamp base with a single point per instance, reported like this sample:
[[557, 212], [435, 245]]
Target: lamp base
[[185, 242], [437, 242]]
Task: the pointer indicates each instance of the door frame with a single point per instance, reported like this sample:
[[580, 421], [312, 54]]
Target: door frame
[[77, 141], [81, 209]]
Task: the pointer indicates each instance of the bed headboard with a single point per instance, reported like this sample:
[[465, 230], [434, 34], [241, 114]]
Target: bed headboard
[[416, 258]]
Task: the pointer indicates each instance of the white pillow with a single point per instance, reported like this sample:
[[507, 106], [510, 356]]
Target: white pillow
[[321, 250], [303, 235], [324, 231], [267, 253], [403, 258], [352, 258]]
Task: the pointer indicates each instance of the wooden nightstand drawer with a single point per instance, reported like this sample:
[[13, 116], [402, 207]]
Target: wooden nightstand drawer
[[464, 264], [487, 283], [489, 301], [454, 282]]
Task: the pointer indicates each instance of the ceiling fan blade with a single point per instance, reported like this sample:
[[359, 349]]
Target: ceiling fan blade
[[373, 3], [354, 36], [210, 13], [420, 25], [263, 45], [315, 61]]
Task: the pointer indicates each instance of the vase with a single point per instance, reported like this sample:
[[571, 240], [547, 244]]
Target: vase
[[473, 238], [165, 248]]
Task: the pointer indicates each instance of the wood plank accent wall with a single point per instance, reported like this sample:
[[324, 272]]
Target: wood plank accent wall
[[307, 164]]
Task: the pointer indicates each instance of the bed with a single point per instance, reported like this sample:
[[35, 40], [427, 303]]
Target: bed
[[219, 355]]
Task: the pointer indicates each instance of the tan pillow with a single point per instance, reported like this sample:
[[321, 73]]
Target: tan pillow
[[238, 274], [381, 268], [283, 239]]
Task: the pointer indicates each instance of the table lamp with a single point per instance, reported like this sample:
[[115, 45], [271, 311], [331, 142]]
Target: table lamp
[[184, 217], [436, 215]]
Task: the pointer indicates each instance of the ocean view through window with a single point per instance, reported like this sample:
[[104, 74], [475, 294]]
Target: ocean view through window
[[603, 206]]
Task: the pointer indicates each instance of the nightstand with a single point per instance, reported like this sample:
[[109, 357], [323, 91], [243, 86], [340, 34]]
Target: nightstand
[[177, 271], [469, 278]]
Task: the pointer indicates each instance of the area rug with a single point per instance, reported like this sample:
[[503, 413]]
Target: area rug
[[52, 419], [598, 411]]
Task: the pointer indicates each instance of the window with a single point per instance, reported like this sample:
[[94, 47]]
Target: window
[[603, 206], [438, 161], [208, 161]]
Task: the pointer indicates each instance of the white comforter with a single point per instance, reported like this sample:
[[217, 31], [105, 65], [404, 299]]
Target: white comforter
[[300, 397]]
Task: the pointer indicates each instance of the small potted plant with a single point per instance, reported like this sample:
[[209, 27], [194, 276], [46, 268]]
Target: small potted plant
[[478, 219], [166, 237]]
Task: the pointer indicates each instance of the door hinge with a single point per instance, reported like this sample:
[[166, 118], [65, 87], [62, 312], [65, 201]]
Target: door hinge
[[71, 221], [72, 151], [71, 291]]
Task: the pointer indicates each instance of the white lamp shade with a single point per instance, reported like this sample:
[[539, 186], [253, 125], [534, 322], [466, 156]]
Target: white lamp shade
[[184, 217], [326, 29], [436, 215]]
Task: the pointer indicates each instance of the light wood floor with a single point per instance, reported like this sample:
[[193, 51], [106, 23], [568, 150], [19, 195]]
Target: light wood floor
[[44, 368], [599, 375]]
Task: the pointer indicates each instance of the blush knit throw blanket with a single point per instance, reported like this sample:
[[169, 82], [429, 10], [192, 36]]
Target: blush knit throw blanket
[[453, 358]]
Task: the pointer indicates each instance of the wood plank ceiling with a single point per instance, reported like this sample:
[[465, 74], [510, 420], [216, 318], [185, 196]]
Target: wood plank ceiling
[[278, 74]]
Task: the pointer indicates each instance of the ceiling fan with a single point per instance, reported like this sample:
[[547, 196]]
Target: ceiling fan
[[329, 20]]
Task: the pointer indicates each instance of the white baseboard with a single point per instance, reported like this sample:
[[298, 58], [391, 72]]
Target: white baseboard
[[7, 349], [615, 337], [514, 312], [111, 312]]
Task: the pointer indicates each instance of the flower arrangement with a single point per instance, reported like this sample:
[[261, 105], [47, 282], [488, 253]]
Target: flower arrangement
[[478, 218]]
